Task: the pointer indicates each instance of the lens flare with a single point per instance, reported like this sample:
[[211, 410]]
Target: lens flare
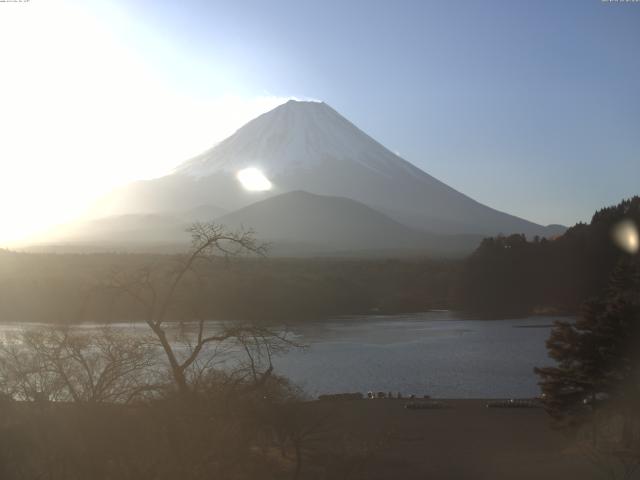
[[253, 180], [625, 236]]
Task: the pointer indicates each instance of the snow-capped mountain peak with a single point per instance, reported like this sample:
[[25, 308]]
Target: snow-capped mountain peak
[[295, 135], [308, 146]]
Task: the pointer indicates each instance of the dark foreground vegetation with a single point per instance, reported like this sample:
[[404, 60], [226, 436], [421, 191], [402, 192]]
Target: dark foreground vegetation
[[73, 411], [230, 436], [223, 432]]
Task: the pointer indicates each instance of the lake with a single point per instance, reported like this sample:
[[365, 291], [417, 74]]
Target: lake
[[435, 353]]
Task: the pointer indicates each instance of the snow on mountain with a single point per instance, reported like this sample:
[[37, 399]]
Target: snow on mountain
[[296, 135], [309, 146]]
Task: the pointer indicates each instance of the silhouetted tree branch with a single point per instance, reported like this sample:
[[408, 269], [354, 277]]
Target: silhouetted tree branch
[[156, 290]]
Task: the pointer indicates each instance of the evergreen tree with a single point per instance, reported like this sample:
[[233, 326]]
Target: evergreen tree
[[597, 355]]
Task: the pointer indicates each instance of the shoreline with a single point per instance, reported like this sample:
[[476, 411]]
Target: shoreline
[[464, 440]]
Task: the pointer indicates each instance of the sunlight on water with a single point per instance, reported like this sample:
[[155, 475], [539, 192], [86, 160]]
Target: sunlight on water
[[253, 180], [434, 353], [625, 236]]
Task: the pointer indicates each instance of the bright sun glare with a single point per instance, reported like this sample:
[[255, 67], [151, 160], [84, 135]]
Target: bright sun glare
[[626, 236], [253, 180], [83, 112]]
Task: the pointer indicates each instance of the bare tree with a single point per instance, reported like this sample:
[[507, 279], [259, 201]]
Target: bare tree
[[24, 372], [60, 363], [159, 288]]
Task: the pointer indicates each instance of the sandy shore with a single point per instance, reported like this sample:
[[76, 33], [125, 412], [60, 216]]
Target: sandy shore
[[466, 440]]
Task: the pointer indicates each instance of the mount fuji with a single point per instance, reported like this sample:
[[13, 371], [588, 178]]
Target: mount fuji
[[309, 147]]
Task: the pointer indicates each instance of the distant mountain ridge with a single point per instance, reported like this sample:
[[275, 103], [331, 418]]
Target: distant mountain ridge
[[304, 222], [292, 224], [309, 147]]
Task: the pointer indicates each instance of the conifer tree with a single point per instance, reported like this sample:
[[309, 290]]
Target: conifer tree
[[597, 355]]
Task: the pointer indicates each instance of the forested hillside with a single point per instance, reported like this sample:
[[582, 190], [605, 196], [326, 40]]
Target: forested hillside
[[509, 276], [73, 288]]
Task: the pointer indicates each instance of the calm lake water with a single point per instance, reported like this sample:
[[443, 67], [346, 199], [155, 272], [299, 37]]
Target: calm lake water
[[434, 353]]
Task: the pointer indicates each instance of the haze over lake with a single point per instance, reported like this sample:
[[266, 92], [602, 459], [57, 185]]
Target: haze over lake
[[435, 353]]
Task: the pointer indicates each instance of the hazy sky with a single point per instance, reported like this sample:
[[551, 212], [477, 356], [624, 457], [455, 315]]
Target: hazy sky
[[531, 107]]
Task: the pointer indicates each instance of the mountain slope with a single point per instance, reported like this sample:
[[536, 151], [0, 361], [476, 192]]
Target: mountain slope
[[122, 230], [300, 222], [133, 230], [294, 224], [309, 146]]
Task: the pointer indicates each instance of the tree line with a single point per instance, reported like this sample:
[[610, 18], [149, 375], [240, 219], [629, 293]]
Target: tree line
[[70, 288], [513, 276]]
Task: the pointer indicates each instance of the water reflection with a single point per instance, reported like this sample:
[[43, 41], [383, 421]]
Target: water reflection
[[434, 353]]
